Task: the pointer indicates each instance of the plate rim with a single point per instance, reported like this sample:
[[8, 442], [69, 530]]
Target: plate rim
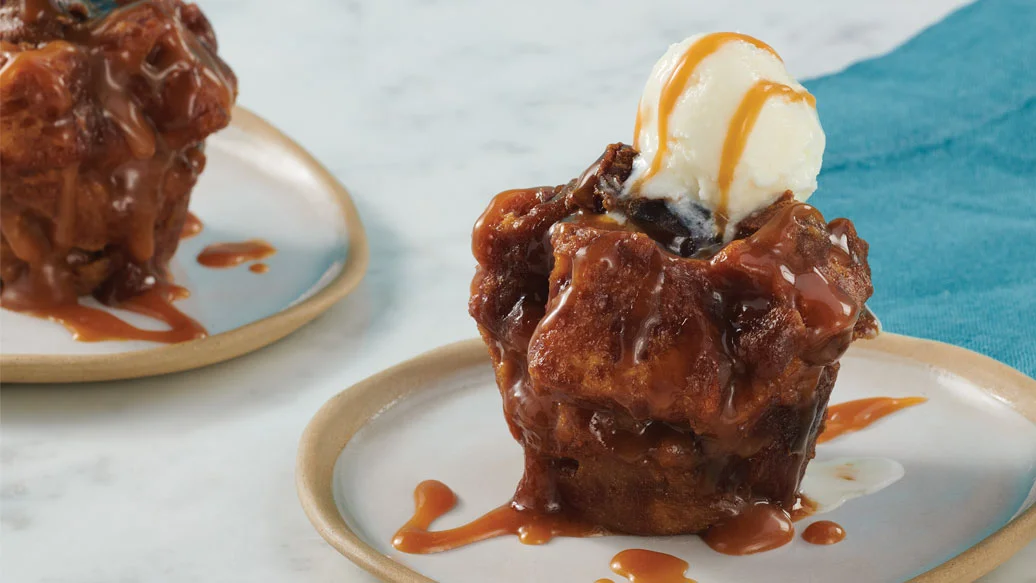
[[338, 420], [60, 368]]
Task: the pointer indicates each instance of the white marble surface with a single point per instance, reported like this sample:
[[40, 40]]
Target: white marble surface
[[424, 109]]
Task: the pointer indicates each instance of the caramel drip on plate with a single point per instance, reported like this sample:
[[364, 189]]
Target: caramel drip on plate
[[856, 415], [741, 128], [92, 325], [759, 527], [823, 532], [191, 226], [644, 566], [221, 255], [805, 508], [258, 268], [677, 82], [433, 499]]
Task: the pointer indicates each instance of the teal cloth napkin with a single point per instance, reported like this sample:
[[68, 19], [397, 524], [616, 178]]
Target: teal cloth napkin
[[931, 151]]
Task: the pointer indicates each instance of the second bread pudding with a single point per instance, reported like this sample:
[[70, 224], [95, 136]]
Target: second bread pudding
[[102, 129], [666, 329]]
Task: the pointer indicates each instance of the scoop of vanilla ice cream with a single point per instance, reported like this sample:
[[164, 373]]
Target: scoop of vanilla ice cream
[[783, 151]]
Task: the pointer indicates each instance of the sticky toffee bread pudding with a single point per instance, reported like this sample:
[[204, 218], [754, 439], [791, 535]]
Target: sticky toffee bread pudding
[[666, 328], [102, 131]]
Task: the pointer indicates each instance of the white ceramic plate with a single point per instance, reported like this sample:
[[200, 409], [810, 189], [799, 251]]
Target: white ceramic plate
[[257, 184], [969, 454]]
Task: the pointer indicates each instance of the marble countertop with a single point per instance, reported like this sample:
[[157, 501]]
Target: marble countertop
[[424, 109]]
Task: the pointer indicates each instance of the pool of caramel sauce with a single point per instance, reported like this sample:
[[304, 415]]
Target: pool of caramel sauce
[[759, 527], [89, 324]]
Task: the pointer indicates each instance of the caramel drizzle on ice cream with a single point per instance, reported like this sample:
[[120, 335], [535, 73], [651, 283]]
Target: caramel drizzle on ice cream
[[741, 123], [677, 82], [741, 128]]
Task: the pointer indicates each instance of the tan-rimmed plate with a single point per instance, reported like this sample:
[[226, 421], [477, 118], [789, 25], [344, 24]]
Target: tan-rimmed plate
[[258, 183], [963, 506]]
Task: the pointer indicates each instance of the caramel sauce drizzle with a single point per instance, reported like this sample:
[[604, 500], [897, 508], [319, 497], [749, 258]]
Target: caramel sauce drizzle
[[759, 527], [93, 325], [644, 566], [222, 255], [33, 11], [806, 508], [740, 129], [677, 82], [119, 67], [191, 226], [154, 156], [856, 415], [823, 532], [258, 268], [18, 61], [433, 499]]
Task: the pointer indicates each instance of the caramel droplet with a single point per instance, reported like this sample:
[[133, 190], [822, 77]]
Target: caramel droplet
[[644, 566], [740, 129], [221, 255], [823, 532], [191, 226]]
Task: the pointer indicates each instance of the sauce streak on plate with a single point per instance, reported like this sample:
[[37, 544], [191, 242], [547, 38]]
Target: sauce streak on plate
[[222, 255], [856, 415], [93, 325], [433, 499]]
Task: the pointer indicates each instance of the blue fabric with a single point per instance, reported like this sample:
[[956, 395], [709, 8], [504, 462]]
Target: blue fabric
[[931, 151]]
